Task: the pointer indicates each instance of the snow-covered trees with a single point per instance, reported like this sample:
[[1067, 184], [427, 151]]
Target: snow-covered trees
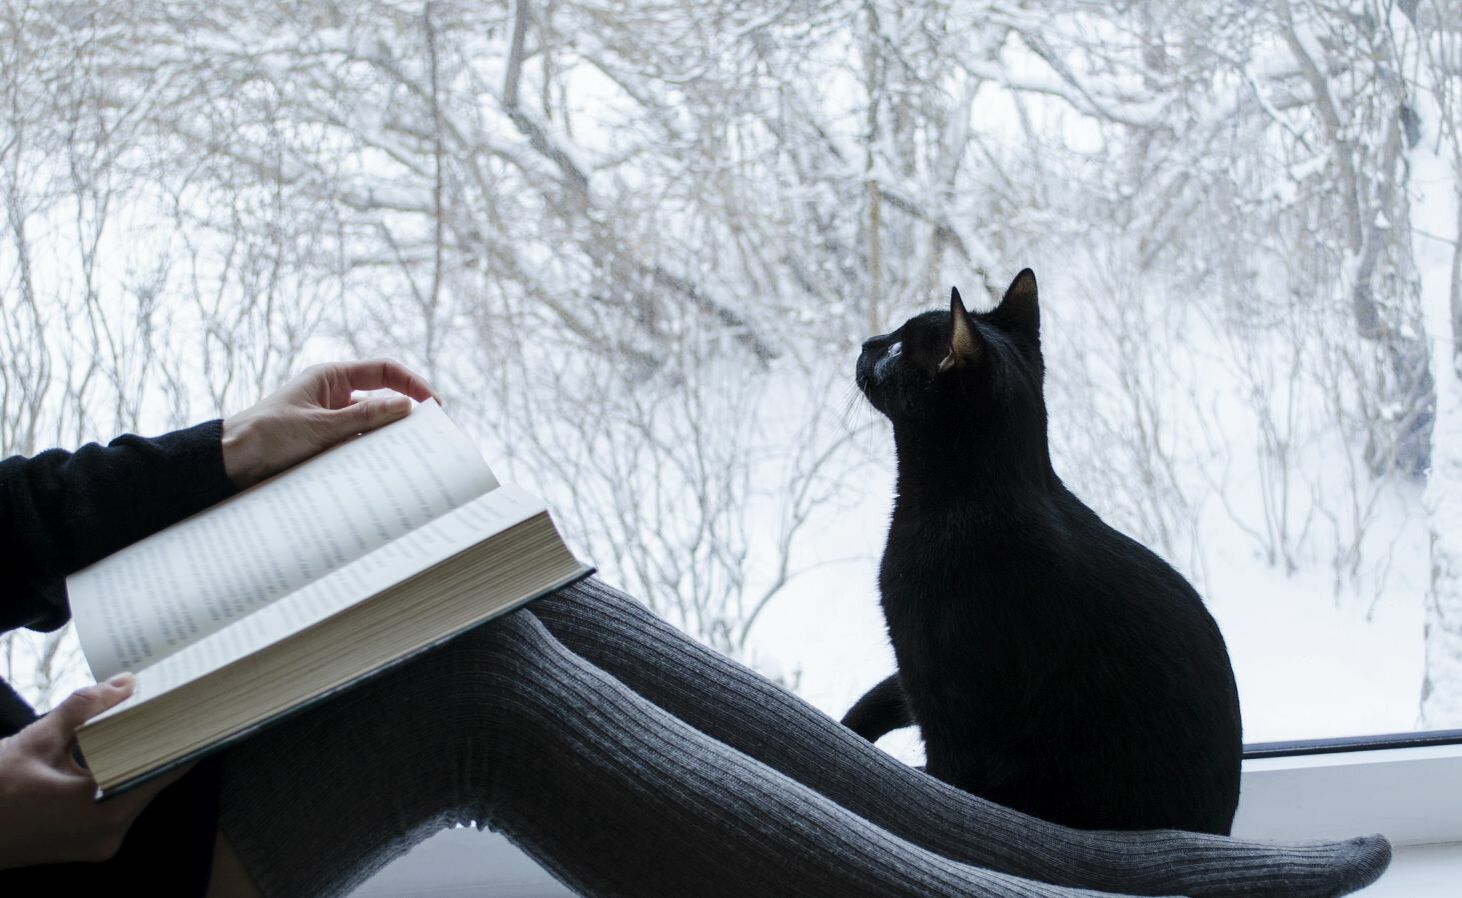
[[637, 244], [1434, 47]]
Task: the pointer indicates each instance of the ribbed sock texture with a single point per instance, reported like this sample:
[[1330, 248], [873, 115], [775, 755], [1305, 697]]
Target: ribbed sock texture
[[613, 794], [734, 705]]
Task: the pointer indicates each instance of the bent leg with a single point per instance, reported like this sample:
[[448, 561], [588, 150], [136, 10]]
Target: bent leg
[[737, 706], [506, 727]]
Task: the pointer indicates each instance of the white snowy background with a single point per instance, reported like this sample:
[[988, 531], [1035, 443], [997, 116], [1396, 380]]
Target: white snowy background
[[636, 245]]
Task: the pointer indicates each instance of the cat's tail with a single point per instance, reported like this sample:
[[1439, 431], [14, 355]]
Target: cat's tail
[[882, 709]]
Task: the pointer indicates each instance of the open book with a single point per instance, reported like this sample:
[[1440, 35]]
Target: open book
[[301, 586]]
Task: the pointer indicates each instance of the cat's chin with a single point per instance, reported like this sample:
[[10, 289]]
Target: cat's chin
[[861, 373]]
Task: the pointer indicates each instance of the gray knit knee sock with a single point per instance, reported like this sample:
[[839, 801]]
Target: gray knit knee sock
[[318, 803], [739, 707], [619, 798], [506, 727]]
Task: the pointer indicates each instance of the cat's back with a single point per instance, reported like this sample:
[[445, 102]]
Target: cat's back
[[1127, 612]]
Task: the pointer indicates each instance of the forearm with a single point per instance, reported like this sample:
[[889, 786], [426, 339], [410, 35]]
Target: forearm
[[60, 511]]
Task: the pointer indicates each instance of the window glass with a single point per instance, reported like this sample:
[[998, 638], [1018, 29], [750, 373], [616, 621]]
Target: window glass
[[637, 247]]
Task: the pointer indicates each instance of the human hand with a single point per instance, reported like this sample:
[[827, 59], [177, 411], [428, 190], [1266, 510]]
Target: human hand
[[47, 811], [313, 412]]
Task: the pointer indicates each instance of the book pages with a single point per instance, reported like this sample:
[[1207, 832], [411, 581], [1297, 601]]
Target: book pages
[[413, 553], [180, 585]]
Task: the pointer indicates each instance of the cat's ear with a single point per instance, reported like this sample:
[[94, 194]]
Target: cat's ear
[[964, 341], [1019, 310]]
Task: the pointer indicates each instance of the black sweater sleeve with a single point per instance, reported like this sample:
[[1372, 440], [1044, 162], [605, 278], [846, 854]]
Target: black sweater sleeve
[[60, 511]]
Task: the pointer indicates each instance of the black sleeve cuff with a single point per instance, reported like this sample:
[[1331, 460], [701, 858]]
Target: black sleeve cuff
[[195, 456]]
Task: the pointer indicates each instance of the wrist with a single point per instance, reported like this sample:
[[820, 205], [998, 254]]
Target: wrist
[[242, 462]]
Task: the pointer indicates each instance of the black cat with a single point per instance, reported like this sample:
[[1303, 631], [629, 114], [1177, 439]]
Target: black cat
[[1052, 664]]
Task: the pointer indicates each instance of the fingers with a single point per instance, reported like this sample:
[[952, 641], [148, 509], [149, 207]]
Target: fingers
[[59, 726], [383, 374], [366, 415], [99, 829]]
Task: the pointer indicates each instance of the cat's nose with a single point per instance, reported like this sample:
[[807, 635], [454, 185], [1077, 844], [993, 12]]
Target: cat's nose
[[871, 344]]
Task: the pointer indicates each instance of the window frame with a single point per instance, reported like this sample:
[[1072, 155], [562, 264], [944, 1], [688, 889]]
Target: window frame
[[1406, 786]]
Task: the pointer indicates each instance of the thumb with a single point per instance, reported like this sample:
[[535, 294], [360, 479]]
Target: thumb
[[368, 414], [82, 705]]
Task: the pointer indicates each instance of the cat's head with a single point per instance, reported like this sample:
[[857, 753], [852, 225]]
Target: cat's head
[[959, 369]]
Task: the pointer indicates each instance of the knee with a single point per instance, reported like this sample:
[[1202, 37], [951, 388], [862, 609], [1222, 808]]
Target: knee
[[493, 686], [570, 601], [503, 663], [592, 602], [497, 647]]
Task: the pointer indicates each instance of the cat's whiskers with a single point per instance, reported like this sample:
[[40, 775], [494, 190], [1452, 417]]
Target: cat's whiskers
[[849, 415], [858, 418]]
